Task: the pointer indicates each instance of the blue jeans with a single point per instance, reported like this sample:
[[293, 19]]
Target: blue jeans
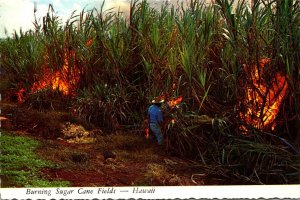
[[155, 128]]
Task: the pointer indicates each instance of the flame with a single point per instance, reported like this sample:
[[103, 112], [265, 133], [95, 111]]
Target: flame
[[89, 42], [20, 95], [174, 102], [263, 101], [63, 80], [147, 133], [173, 121]]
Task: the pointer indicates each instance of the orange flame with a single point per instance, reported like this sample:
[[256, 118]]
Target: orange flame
[[263, 101], [175, 102], [89, 42], [147, 133], [64, 80], [20, 95]]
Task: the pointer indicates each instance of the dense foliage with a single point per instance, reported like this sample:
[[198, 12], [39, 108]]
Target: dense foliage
[[197, 51]]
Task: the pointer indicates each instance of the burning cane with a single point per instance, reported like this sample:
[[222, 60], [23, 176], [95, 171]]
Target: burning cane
[[167, 115]]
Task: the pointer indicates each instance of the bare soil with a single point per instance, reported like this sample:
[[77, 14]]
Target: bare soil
[[137, 161]]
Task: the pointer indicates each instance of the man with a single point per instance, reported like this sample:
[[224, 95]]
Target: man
[[155, 119]]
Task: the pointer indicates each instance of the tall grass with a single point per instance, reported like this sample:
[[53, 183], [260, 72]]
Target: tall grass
[[196, 51], [21, 59]]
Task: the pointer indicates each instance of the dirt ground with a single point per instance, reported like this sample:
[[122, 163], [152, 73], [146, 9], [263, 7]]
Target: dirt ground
[[93, 157]]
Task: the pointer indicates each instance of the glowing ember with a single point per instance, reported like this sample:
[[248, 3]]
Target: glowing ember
[[64, 80], [175, 102], [262, 100], [146, 127]]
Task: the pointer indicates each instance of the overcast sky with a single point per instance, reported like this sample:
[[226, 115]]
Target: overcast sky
[[15, 14], [19, 13]]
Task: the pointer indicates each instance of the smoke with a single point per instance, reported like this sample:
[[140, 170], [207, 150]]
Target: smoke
[[118, 5], [14, 16]]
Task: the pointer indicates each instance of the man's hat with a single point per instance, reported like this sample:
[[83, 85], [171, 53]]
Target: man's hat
[[158, 100]]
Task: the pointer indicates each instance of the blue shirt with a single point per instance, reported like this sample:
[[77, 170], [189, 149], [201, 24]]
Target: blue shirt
[[155, 114]]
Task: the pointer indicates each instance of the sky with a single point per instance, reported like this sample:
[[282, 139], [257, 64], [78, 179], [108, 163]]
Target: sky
[[16, 14]]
